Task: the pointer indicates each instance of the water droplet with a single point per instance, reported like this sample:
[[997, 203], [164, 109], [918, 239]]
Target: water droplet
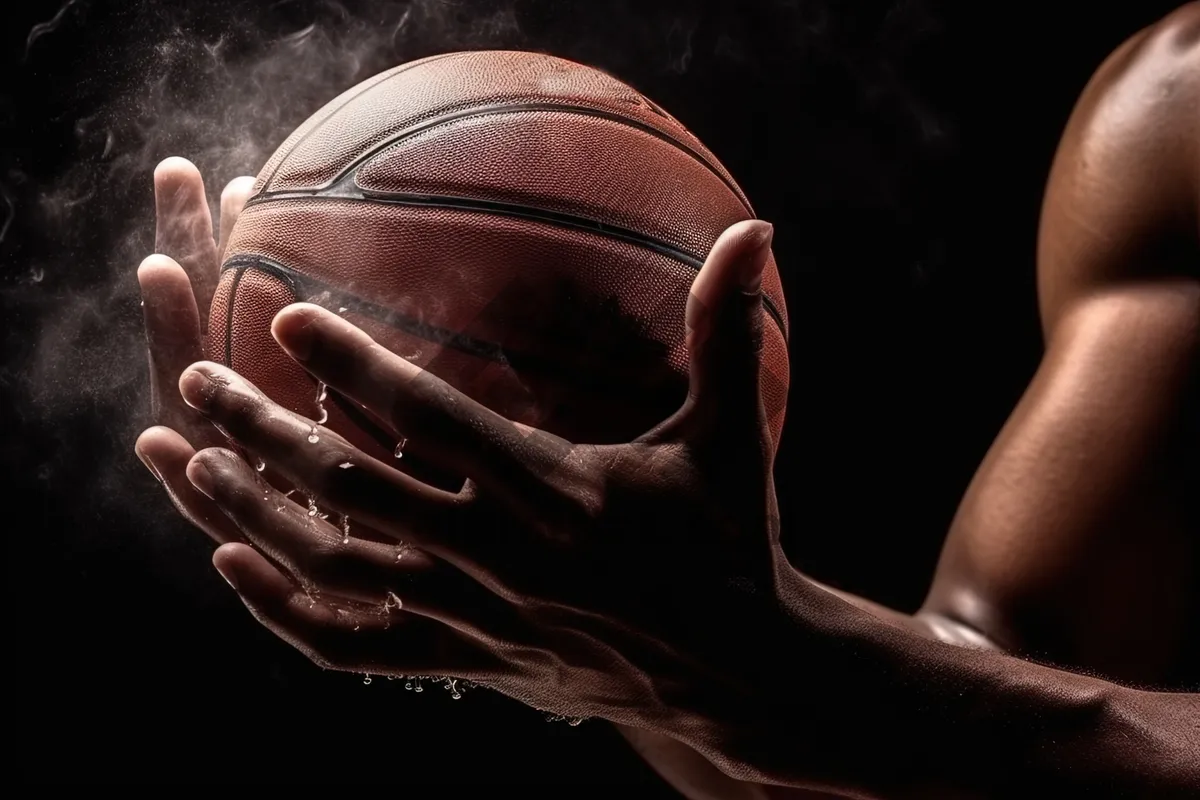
[[392, 601], [456, 695], [322, 414], [366, 680], [575, 722], [342, 310], [346, 531], [408, 684], [356, 627], [312, 506], [260, 466], [391, 677], [418, 687], [289, 492], [399, 451], [345, 465], [142, 304]]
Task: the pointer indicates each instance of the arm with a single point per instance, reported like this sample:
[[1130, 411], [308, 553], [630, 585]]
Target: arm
[[1067, 544], [719, 644], [1073, 542], [934, 720]]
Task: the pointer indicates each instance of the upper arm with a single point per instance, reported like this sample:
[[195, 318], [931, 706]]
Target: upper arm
[[1122, 203], [1073, 540]]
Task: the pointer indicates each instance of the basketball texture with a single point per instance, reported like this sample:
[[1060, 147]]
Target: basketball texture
[[526, 228]]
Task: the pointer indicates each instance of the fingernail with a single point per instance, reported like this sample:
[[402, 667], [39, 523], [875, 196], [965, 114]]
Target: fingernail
[[752, 269], [228, 576], [200, 477], [196, 389], [297, 337], [149, 465]]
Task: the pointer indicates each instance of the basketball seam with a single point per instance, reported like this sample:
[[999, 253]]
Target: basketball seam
[[461, 342], [293, 280], [229, 314], [395, 319], [356, 416], [382, 80], [484, 111], [517, 211]]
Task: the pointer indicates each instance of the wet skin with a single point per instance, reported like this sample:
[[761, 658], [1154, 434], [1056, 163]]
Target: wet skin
[[552, 577]]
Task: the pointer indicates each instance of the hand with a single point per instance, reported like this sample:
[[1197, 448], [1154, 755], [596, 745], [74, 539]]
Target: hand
[[177, 285], [631, 582]]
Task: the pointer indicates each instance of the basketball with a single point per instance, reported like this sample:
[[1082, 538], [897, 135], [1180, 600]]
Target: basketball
[[524, 227]]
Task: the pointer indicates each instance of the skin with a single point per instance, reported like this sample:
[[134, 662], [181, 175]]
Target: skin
[[552, 578], [1093, 567]]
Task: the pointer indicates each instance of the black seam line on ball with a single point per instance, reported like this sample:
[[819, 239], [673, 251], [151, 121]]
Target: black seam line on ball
[[301, 286], [304, 286], [511, 210], [484, 111], [398, 71], [237, 279], [352, 412]]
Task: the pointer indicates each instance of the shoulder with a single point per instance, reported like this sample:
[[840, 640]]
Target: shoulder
[[1152, 81], [1123, 198]]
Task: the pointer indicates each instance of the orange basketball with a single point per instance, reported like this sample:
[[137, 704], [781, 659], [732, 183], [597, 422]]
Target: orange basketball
[[525, 227]]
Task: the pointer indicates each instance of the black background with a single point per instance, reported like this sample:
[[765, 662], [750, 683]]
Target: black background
[[900, 148]]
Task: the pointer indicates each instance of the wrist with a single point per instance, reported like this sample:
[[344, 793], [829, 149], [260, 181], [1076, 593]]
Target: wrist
[[793, 710]]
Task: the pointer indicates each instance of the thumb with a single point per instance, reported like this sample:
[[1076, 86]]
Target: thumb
[[724, 328]]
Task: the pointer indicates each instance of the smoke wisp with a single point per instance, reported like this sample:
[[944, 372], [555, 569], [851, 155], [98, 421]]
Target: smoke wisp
[[222, 84]]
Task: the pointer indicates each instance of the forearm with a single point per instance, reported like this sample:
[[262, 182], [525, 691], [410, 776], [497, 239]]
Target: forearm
[[693, 776], [874, 711], [926, 623]]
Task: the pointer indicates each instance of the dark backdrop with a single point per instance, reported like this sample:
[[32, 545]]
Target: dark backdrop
[[900, 148]]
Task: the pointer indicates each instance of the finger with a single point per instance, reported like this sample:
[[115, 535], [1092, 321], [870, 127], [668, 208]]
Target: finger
[[438, 423], [326, 556], [167, 454], [233, 200], [333, 637], [317, 460], [724, 320], [317, 552], [184, 228], [173, 338]]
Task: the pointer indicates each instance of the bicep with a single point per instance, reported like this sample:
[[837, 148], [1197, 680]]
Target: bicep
[[1071, 540], [1122, 202]]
